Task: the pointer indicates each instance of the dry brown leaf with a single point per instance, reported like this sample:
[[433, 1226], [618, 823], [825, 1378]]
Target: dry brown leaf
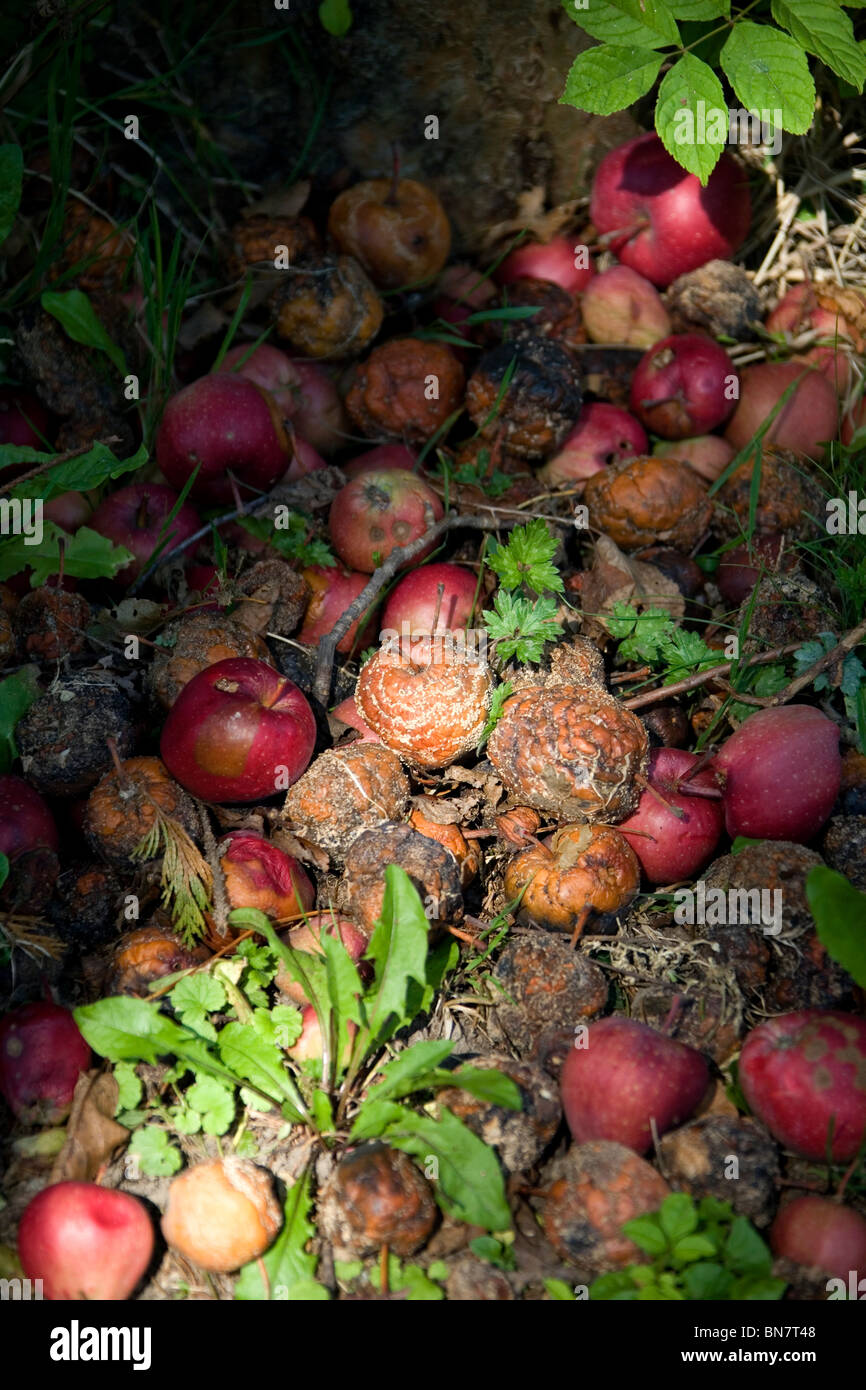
[[616, 578], [531, 216], [92, 1133], [850, 305], [286, 202]]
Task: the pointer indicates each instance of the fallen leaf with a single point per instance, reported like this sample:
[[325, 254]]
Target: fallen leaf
[[616, 578], [92, 1133]]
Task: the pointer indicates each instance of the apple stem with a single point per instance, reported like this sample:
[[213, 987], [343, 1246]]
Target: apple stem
[[674, 1012], [61, 554], [440, 594], [703, 761], [648, 786], [849, 1171], [661, 400], [709, 793], [383, 1270], [122, 777], [580, 924]]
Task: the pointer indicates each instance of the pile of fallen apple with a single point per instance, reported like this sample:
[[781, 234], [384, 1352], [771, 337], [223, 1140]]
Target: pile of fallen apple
[[574, 804]]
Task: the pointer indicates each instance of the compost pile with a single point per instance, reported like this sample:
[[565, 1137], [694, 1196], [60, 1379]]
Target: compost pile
[[435, 799]]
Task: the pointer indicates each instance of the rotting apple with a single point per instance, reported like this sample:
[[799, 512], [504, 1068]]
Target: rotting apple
[[222, 424], [25, 821], [684, 385], [621, 306], [805, 422], [742, 567], [677, 825], [378, 511], [238, 731], [136, 517], [660, 220], [802, 1075], [333, 590], [259, 874], [708, 454], [85, 1242], [603, 434], [396, 228], [620, 1075], [821, 1234]]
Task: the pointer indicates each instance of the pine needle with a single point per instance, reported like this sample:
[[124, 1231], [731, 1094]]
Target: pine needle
[[186, 879]]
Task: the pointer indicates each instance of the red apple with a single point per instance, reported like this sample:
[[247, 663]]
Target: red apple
[[620, 306], [69, 510], [305, 459], [563, 260], [238, 731], [42, 1054], [805, 422], [135, 517], [603, 434], [821, 1234], [804, 1075], [334, 589], [782, 771], [378, 511], [85, 1242], [303, 391], [23, 419], [220, 424], [658, 219], [672, 847], [308, 1048], [307, 938], [259, 874], [347, 712], [626, 1075], [854, 420], [685, 385], [416, 601], [742, 567], [798, 311], [383, 456], [25, 821]]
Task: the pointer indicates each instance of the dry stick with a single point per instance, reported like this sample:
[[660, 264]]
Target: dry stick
[[649, 697], [851, 640], [58, 458], [380, 577]]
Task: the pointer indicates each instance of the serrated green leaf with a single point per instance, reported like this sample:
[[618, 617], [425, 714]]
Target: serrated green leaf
[[11, 176], [398, 950], [691, 116], [696, 11], [214, 1102], [86, 555], [707, 1280], [647, 1234], [526, 559], [839, 910], [291, 1269], [641, 23], [17, 694], [185, 1120], [827, 31], [693, 1247], [745, 1252], [157, 1157], [769, 72], [76, 316], [619, 1284], [345, 991], [80, 474], [288, 1025], [245, 1053], [199, 991], [607, 79], [678, 1216]]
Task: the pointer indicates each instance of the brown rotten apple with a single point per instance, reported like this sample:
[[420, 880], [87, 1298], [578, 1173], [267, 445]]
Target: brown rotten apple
[[567, 746], [407, 388], [579, 870], [643, 501], [221, 1214], [239, 731], [541, 400], [396, 228], [345, 791], [426, 699], [328, 309]]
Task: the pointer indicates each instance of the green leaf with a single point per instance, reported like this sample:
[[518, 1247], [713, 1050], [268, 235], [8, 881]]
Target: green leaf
[[839, 910], [497, 705], [345, 990], [691, 116], [157, 1157], [406, 1072], [678, 1216], [643, 23], [291, 1269], [129, 1087], [484, 1083], [758, 1290], [828, 32], [520, 627], [193, 998], [288, 1025], [11, 174], [745, 1251], [526, 559], [647, 1234], [694, 1247], [469, 1185], [247, 1054], [80, 474], [707, 1280], [607, 79], [76, 316], [695, 11], [214, 1102], [4, 869], [769, 72], [398, 950], [614, 1286], [17, 694], [559, 1291], [293, 541], [336, 17], [86, 555]]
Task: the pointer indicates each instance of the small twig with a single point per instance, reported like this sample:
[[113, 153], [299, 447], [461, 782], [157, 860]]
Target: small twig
[[661, 692], [851, 640]]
